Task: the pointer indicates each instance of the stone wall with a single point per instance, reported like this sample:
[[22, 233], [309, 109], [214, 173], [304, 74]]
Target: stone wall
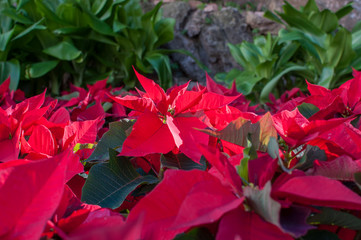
[[206, 31]]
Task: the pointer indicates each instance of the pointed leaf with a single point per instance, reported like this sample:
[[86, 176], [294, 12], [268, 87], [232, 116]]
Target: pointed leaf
[[181, 161], [238, 131], [318, 190], [30, 192], [331, 216], [108, 184], [113, 138], [63, 51], [307, 109], [149, 135], [342, 168]]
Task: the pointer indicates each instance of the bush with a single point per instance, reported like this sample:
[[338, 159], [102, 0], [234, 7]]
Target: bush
[[313, 45], [49, 43]]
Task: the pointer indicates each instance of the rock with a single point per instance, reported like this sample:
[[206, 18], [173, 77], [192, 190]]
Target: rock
[[205, 33], [177, 10], [348, 21], [256, 21]]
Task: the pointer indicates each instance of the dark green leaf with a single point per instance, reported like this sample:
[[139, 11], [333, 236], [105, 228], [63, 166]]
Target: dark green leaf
[[199, 233], [161, 65], [113, 138], [326, 77], [344, 10], [245, 81], [311, 154], [307, 109], [273, 82], [261, 202], [36, 70], [326, 20], [298, 20], [35, 26], [10, 68], [241, 130], [181, 161], [329, 216], [164, 30], [270, 15], [108, 184], [5, 38], [98, 25], [340, 51], [63, 51], [316, 234], [11, 12], [71, 30], [310, 7], [358, 179]]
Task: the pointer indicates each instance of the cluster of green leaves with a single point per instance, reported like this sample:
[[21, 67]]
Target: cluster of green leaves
[[313, 46], [45, 42]]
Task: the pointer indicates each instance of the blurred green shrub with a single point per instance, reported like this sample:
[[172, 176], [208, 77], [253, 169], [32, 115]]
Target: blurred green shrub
[[47, 42], [313, 46]]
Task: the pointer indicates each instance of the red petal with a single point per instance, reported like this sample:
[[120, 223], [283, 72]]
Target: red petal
[[242, 225], [136, 103], [41, 140], [161, 207], [154, 91], [149, 135], [213, 101], [60, 116], [318, 190], [85, 132], [29, 194], [190, 136], [186, 101]]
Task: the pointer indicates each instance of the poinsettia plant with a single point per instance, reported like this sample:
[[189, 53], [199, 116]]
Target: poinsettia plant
[[184, 163]]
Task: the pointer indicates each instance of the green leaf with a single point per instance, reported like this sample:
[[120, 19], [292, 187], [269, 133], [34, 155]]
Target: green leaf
[[10, 68], [237, 54], [273, 151], [315, 234], [71, 30], [161, 65], [245, 81], [63, 51], [311, 154], [113, 138], [35, 26], [340, 52], [261, 202], [249, 153], [357, 177], [329, 216], [310, 7], [299, 20], [326, 20], [181, 161], [326, 77], [239, 130], [344, 10], [5, 38], [108, 184], [98, 25], [20, 18], [273, 82], [270, 15], [198, 233], [164, 30], [36, 70], [307, 109]]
